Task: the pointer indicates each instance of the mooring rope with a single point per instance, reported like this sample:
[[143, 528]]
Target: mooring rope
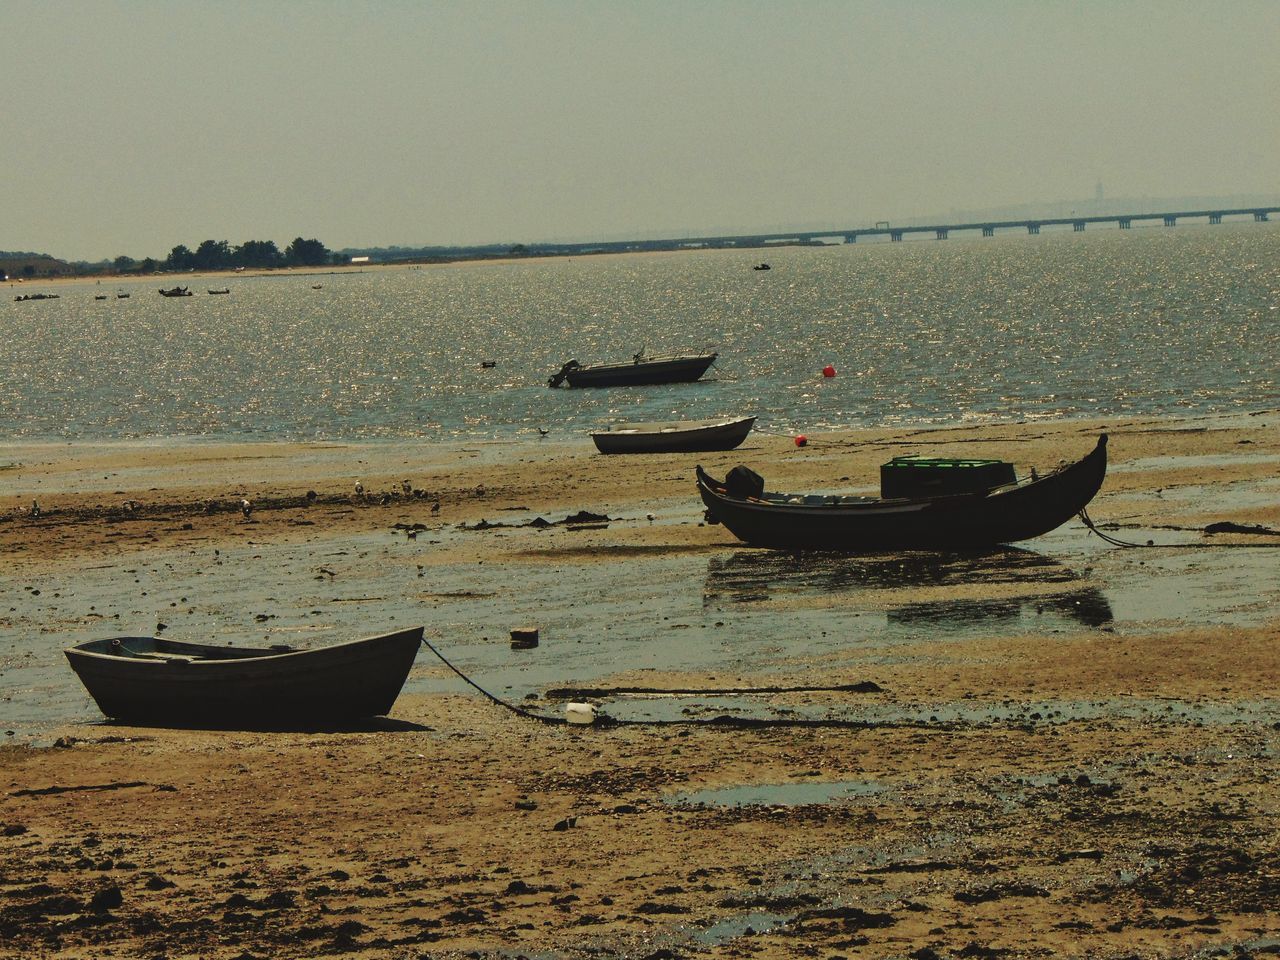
[[1117, 542], [520, 711], [722, 720], [1114, 541], [719, 369]]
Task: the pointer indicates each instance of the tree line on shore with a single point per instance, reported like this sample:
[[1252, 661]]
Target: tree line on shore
[[221, 255]]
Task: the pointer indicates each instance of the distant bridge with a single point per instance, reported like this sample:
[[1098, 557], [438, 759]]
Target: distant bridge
[[1032, 225], [885, 229], [817, 237]]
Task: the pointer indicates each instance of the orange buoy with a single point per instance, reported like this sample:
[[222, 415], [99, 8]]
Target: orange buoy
[[801, 440], [828, 371]]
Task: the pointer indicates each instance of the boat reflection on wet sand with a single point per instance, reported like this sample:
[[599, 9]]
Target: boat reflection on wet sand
[[1088, 607], [755, 576], [758, 571]]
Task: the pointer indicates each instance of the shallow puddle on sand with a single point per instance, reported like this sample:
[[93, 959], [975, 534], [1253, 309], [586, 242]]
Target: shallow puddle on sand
[[746, 575], [797, 794], [1086, 607], [1222, 585], [1086, 584], [742, 925], [733, 616]]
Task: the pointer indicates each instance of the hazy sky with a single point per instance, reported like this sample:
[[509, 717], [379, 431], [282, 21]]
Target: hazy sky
[[133, 126]]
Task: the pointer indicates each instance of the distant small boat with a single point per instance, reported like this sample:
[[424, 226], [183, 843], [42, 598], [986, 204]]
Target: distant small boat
[[36, 296], [176, 292], [317, 286], [762, 266], [679, 436], [640, 371], [488, 364], [160, 681], [223, 290], [100, 296], [122, 296]]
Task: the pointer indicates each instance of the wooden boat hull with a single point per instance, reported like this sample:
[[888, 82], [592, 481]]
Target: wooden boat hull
[[157, 681], [639, 372], [962, 522], [677, 437]]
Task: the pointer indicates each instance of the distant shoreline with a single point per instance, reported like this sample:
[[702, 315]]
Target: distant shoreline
[[417, 263]]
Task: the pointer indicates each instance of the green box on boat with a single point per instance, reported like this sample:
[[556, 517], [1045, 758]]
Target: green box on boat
[[913, 477]]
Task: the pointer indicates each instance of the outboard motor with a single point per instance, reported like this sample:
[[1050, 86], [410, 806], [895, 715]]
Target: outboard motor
[[558, 378], [742, 482]]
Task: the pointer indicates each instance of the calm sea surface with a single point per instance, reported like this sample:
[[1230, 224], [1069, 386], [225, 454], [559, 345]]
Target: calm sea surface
[[1169, 321]]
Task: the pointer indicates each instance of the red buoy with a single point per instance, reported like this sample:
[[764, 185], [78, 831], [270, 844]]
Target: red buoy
[[828, 371], [801, 440]]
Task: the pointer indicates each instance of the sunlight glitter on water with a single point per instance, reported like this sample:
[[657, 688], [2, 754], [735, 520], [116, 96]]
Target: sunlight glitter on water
[[1120, 323]]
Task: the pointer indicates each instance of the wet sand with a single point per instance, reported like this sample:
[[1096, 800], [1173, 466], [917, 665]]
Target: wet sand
[[1070, 749]]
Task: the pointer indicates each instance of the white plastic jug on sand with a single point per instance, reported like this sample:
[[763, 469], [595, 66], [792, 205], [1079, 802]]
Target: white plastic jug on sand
[[580, 713]]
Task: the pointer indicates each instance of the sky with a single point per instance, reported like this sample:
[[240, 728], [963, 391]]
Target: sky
[[130, 127]]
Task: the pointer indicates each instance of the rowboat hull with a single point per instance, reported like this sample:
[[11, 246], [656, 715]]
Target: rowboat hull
[[687, 436], [156, 681], [855, 525], [637, 373]]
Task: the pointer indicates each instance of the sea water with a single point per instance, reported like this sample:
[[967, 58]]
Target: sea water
[[1156, 321]]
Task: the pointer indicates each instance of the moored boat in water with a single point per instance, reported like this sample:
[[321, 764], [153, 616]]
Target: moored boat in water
[[973, 520], [640, 371], [176, 292], [158, 681], [676, 436]]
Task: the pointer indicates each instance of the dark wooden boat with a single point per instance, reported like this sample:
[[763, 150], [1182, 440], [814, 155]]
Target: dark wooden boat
[[216, 292], [176, 292], [677, 436], [158, 681], [640, 371], [966, 521]]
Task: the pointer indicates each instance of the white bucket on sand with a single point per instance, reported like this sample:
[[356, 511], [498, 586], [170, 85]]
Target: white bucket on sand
[[579, 713]]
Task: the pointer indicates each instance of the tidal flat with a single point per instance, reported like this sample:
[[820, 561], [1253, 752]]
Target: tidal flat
[[1064, 748]]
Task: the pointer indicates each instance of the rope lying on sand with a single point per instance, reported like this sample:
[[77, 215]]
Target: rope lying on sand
[[519, 711], [723, 720], [1116, 542], [578, 693]]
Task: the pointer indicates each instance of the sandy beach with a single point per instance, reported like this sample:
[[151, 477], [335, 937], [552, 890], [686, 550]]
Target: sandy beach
[[1106, 787]]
